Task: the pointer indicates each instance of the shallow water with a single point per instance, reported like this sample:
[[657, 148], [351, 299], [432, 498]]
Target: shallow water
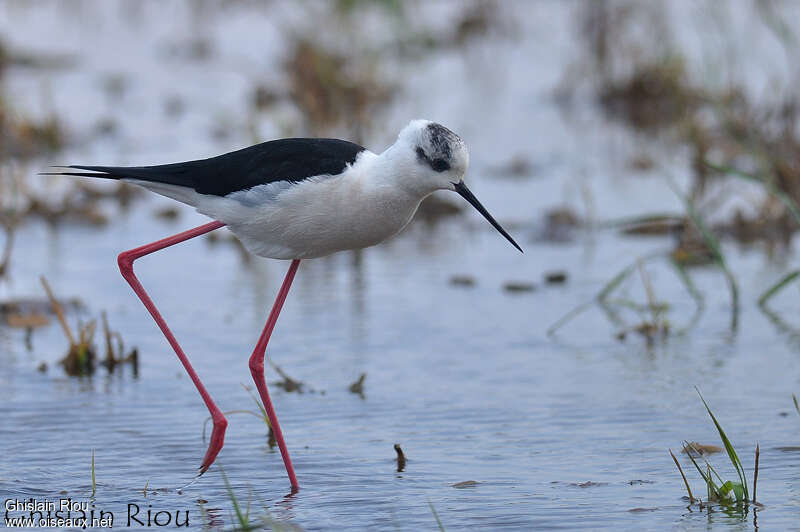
[[570, 431]]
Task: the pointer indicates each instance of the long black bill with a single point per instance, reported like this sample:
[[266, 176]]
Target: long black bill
[[462, 189]]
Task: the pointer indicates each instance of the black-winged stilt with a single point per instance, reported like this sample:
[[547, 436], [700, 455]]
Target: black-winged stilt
[[296, 199]]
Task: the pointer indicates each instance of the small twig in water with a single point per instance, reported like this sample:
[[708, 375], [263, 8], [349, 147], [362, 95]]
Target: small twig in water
[[755, 475], [57, 309], [686, 482], [94, 484], [288, 383], [401, 458], [358, 386]]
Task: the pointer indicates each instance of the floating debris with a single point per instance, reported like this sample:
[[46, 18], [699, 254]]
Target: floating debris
[[699, 449], [462, 280], [650, 331], [26, 306], [358, 386], [289, 384], [559, 277], [560, 225], [653, 225], [589, 484], [27, 321], [518, 286], [465, 484], [401, 458]]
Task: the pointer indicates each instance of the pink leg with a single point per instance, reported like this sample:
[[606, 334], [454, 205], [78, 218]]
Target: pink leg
[[257, 369], [125, 261]]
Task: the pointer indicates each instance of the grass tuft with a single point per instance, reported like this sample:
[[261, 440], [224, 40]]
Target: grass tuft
[[734, 458], [718, 490]]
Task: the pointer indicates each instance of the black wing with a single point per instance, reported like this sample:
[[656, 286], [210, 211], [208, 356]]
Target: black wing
[[277, 160]]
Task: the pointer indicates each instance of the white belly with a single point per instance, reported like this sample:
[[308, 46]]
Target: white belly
[[313, 218]]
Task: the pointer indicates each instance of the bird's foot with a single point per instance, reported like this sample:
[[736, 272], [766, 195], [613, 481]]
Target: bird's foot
[[215, 445]]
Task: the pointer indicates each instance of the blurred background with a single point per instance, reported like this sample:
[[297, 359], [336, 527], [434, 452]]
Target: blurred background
[[645, 155]]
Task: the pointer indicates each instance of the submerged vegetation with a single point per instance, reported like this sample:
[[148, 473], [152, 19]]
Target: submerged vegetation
[[733, 139], [81, 357]]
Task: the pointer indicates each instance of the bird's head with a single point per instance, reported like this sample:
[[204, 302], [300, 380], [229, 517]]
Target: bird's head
[[435, 158]]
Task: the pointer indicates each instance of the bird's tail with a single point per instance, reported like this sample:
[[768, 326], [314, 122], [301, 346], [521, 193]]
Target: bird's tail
[[167, 180], [173, 174]]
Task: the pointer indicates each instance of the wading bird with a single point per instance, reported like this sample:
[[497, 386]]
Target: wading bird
[[295, 199]]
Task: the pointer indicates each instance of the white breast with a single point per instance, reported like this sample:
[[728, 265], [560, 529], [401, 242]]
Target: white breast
[[315, 217]]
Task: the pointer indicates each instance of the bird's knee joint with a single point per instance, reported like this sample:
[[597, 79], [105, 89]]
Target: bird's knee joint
[[256, 366], [221, 423], [125, 262]]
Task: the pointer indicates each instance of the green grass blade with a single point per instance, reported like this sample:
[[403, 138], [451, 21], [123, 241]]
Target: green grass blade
[[615, 282], [436, 516], [569, 316], [738, 492], [725, 489], [716, 251], [680, 469], [706, 477], [242, 518], [258, 403], [708, 464], [734, 458], [796, 403], [602, 296], [691, 288], [777, 287]]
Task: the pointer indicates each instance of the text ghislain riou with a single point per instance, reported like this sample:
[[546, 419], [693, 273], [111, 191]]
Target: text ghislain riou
[[84, 513]]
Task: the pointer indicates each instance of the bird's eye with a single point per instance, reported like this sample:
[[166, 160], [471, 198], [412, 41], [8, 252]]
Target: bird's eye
[[440, 165]]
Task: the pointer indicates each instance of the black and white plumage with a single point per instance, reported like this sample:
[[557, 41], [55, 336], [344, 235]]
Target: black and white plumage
[[303, 198], [291, 160]]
